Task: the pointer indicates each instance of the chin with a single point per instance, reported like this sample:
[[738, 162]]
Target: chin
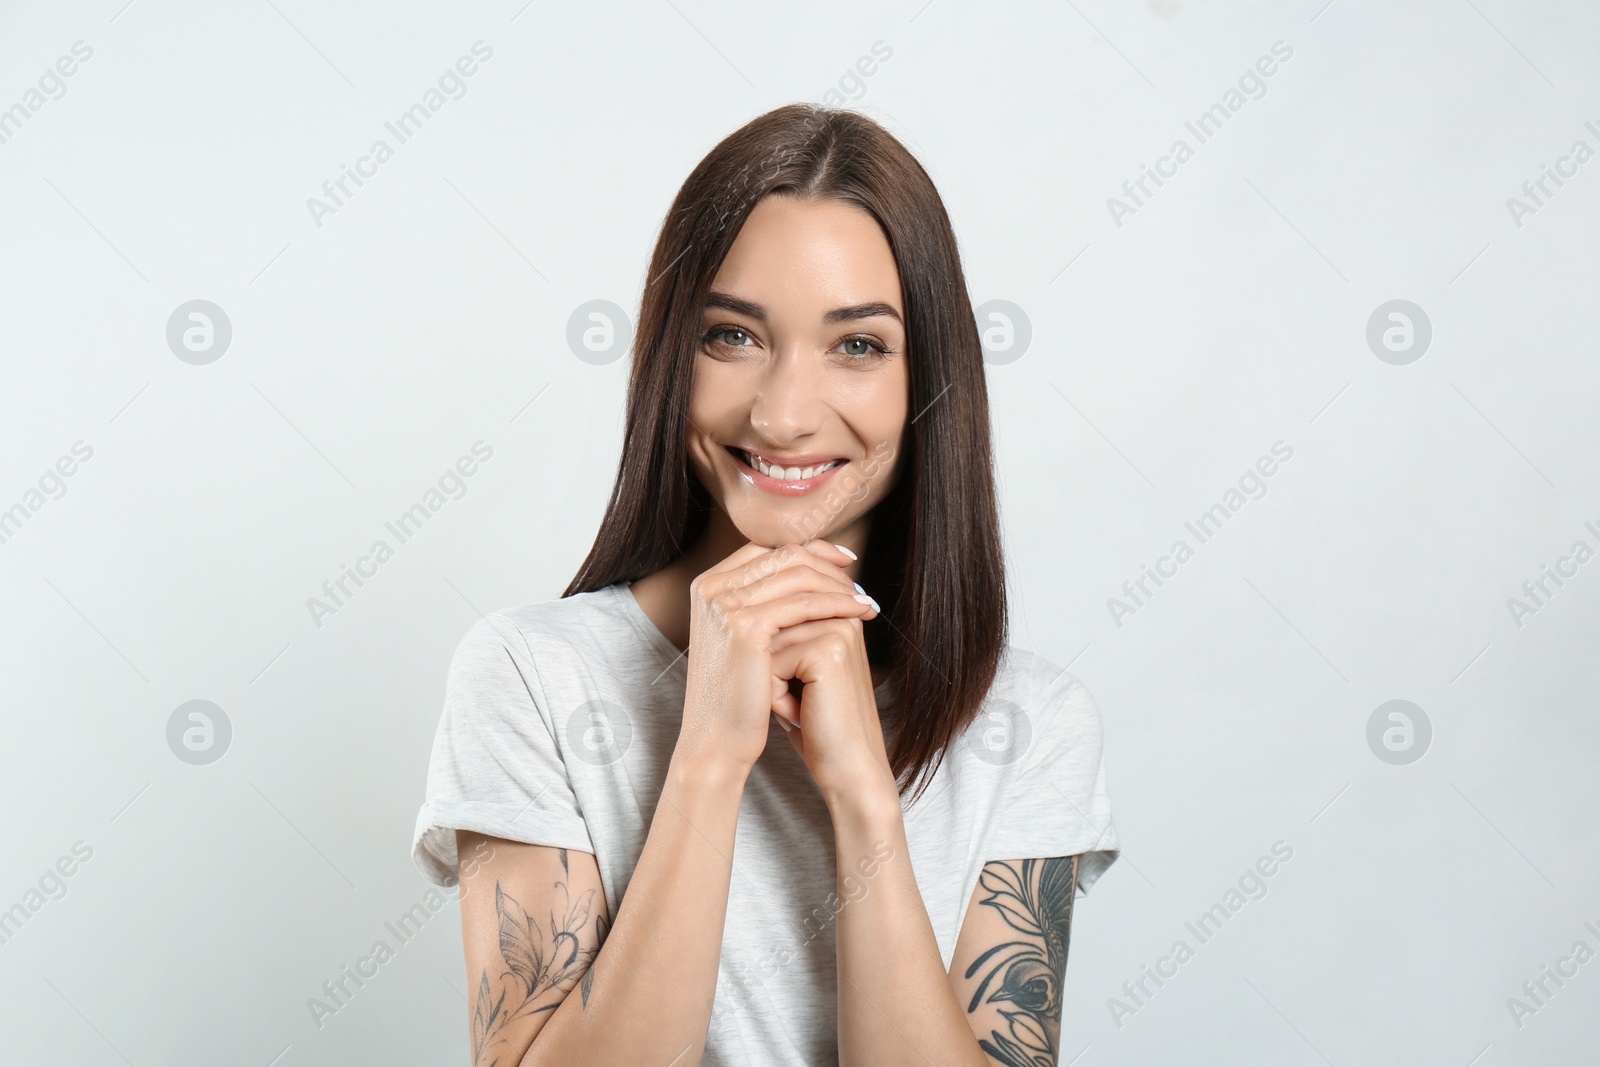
[[770, 529]]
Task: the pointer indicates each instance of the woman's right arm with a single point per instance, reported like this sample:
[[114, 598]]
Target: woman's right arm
[[647, 997]]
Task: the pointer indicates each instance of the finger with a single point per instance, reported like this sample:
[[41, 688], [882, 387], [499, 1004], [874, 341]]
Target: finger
[[810, 664], [833, 553], [839, 556], [798, 658], [788, 556], [768, 578], [785, 705], [800, 633], [808, 606]]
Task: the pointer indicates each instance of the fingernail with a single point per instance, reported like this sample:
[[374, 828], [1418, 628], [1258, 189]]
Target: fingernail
[[846, 551], [865, 599], [783, 723], [858, 587], [875, 606]]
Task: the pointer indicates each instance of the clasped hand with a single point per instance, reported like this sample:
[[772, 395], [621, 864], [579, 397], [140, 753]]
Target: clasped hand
[[766, 616]]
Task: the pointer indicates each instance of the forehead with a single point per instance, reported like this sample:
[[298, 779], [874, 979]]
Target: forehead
[[812, 255]]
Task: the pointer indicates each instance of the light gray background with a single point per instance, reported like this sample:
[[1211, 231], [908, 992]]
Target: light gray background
[[1167, 354]]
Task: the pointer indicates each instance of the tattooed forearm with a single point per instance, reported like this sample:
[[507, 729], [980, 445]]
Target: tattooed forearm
[[538, 959], [1022, 976], [600, 928]]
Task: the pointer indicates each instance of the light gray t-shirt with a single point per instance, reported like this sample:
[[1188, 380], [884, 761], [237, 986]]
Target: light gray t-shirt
[[560, 719]]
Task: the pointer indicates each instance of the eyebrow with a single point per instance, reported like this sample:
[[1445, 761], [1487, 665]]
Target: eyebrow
[[843, 314]]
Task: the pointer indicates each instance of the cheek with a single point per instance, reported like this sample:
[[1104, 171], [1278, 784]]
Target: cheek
[[714, 410], [890, 427], [719, 392], [877, 408]]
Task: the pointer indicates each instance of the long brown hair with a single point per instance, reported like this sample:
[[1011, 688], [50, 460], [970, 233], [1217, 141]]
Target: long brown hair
[[934, 556]]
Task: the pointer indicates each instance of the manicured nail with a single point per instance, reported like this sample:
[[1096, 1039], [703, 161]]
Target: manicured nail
[[858, 587], [875, 606], [846, 551], [865, 599], [783, 723]]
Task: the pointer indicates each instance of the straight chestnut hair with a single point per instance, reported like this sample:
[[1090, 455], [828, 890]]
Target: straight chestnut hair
[[933, 554]]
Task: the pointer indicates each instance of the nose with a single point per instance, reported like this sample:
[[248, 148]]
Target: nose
[[789, 404]]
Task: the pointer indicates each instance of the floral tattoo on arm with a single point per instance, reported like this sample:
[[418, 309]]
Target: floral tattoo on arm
[[537, 959], [1022, 977]]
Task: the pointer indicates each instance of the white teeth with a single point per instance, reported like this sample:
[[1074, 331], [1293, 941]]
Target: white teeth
[[788, 474]]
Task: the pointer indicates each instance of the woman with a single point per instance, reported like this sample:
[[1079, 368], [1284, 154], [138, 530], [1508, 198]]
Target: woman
[[683, 789]]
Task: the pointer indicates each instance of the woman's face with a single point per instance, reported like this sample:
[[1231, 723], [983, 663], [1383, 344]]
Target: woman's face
[[800, 389]]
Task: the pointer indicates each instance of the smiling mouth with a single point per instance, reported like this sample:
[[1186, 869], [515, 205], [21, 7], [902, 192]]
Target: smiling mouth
[[757, 462]]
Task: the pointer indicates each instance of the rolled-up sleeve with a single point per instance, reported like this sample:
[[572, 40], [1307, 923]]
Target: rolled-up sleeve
[[1057, 804], [495, 766]]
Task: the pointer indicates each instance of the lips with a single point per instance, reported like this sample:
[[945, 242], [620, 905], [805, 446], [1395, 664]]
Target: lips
[[788, 475], [787, 468]]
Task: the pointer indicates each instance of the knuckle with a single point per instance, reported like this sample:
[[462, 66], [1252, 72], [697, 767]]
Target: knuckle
[[834, 644], [743, 624]]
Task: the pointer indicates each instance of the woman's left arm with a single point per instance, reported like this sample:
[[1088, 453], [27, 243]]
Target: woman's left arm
[[897, 1006], [1000, 1003], [1011, 958]]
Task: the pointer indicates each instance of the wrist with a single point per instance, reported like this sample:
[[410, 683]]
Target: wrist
[[870, 803], [694, 765]]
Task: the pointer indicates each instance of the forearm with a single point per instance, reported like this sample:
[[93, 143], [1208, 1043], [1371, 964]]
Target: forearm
[[647, 997], [896, 1005]]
